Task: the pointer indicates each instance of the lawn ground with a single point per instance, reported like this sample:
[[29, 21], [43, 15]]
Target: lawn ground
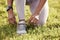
[[50, 31]]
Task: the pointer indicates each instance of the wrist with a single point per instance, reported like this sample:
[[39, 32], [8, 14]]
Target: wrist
[[35, 14], [9, 7]]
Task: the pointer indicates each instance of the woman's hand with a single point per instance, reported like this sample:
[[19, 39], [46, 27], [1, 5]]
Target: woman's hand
[[11, 17], [33, 19]]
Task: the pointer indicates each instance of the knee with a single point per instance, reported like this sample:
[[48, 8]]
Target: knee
[[41, 23]]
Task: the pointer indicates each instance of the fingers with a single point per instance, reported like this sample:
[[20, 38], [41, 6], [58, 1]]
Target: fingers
[[12, 21], [30, 19], [34, 21]]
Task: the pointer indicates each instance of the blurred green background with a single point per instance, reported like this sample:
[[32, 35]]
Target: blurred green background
[[50, 31]]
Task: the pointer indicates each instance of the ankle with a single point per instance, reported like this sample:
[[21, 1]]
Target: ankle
[[22, 21]]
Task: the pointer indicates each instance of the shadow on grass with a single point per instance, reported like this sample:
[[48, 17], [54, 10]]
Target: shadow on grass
[[10, 30], [54, 25], [7, 31]]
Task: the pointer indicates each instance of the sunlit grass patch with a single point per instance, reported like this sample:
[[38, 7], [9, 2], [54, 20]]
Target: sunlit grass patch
[[50, 31]]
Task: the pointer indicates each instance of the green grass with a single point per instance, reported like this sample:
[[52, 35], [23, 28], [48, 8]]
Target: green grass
[[50, 31]]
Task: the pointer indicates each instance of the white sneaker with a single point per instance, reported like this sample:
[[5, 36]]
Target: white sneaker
[[21, 28]]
